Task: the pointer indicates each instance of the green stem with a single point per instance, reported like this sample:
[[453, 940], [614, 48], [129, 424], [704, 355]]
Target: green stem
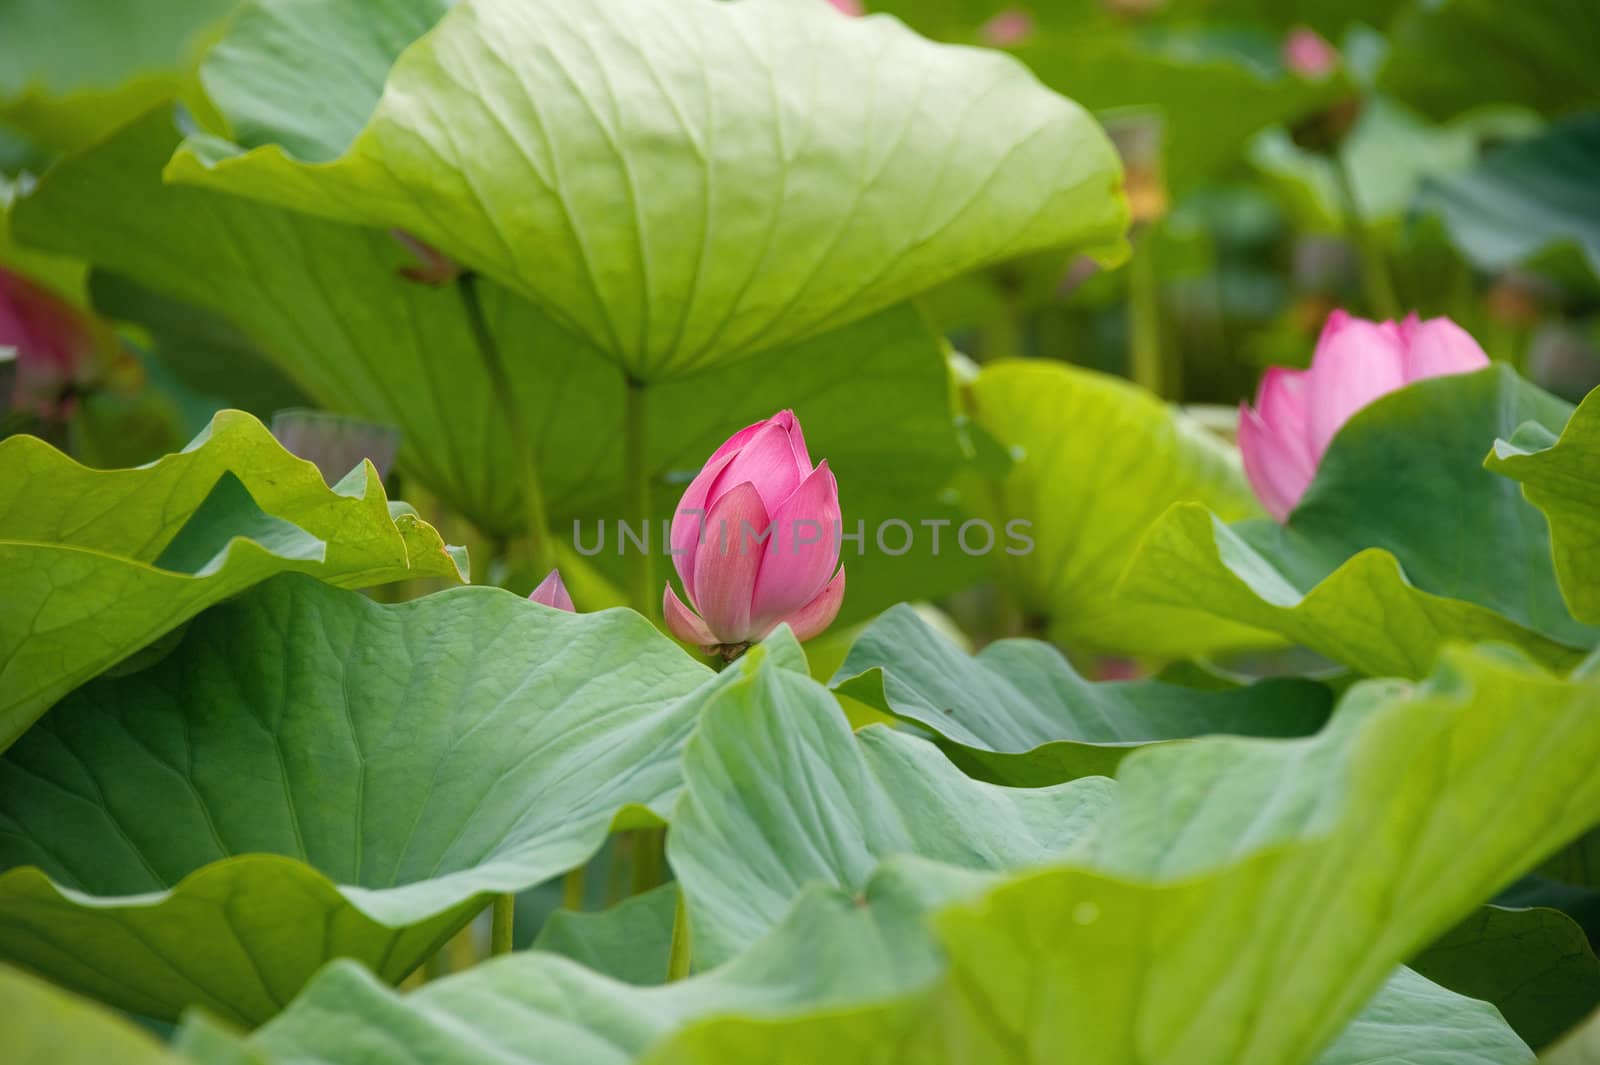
[[1144, 315], [636, 483], [505, 909], [534, 514], [1375, 275], [572, 888], [678, 954], [647, 859]]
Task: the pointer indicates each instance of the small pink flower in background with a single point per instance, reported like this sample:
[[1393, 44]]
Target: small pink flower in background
[[1010, 27], [1308, 53], [552, 591], [852, 8], [1297, 412], [760, 481], [58, 347]]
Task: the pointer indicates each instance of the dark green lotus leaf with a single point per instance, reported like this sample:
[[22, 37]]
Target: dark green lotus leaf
[[1580, 1047], [1360, 844], [1097, 461], [1562, 478], [557, 145], [100, 563], [310, 775], [1532, 201], [1403, 542], [1017, 713], [1542, 58], [72, 70], [1535, 965]]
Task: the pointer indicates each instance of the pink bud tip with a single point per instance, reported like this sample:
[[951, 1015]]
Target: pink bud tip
[[1308, 53], [1297, 412], [1007, 29], [552, 591], [755, 540], [852, 8]]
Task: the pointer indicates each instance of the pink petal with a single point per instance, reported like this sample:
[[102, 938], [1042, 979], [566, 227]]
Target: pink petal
[[684, 623], [766, 461], [1284, 407], [725, 565], [738, 440], [552, 591], [803, 550], [811, 619], [1438, 347], [1278, 482], [797, 441], [1351, 368], [688, 520]]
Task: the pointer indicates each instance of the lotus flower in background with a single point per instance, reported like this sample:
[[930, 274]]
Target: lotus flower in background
[[58, 348], [1308, 53], [743, 583], [1297, 412], [852, 8], [1007, 29], [552, 591]]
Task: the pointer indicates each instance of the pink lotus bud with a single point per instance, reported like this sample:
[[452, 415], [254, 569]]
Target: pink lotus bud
[[552, 591], [852, 8], [1010, 27], [57, 347], [1308, 53], [755, 541], [1297, 412]]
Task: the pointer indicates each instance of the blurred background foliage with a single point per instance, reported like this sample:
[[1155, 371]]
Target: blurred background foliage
[[1283, 158]]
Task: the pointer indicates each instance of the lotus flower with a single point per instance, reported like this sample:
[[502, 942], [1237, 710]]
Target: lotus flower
[[1297, 412], [552, 591], [1308, 53], [852, 8], [57, 347], [759, 482], [1010, 27]]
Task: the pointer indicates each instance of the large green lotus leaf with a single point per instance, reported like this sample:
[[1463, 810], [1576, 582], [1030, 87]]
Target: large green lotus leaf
[[1213, 86], [1239, 902], [310, 774], [1530, 201], [1562, 478], [779, 794], [557, 145], [1097, 462], [1402, 543], [1543, 58], [71, 70], [46, 1025], [1017, 713], [816, 989], [100, 563], [323, 302], [1535, 965]]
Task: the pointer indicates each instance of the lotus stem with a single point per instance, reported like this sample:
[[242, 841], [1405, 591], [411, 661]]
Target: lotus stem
[[572, 888], [527, 468], [678, 955], [505, 909], [1144, 315], [1375, 276], [636, 485]]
